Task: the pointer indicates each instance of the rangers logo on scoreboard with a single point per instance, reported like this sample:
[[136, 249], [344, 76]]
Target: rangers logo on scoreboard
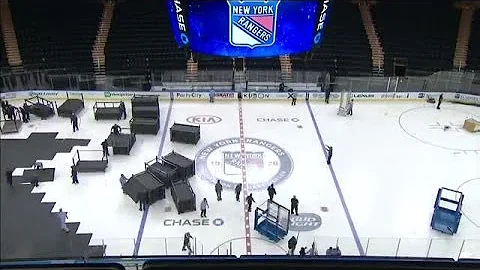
[[253, 23]]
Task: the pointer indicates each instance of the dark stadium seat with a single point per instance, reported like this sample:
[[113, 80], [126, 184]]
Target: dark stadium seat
[[56, 34], [423, 32], [473, 60], [3, 55], [345, 40], [141, 29]]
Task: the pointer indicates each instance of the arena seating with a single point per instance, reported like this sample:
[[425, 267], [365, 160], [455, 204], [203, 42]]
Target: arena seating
[[425, 33], [263, 63], [473, 60], [345, 40], [141, 29], [3, 54], [208, 62], [55, 33]]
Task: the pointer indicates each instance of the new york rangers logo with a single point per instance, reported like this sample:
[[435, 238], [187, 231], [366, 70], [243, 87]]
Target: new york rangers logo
[[253, 23]]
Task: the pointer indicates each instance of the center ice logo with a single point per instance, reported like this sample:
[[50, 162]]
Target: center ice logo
[[253, 23], [266, 163], [232, 163]]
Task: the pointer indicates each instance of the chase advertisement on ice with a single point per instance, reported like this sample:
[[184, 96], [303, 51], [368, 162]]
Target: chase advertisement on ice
[[248, 28]]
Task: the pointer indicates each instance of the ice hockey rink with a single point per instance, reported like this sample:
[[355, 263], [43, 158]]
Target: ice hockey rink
[[376, 198]]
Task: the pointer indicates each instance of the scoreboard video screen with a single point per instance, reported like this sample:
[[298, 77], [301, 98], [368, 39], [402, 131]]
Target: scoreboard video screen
[[249, 28]]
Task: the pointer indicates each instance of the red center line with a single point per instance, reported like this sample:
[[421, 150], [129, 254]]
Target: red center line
[[248, 242]]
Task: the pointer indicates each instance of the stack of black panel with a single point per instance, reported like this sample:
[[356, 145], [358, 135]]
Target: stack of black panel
[[185, 133], [174, 170], [121, 143], [185, 167], [145, 185], [164, 172], [145, 115]]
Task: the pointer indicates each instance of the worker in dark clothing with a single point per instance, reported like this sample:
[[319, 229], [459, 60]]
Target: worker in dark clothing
[[105, 149], [293, 96], [74, 174], [143, 201], [218, 190], [9, 174], [116, 129], [440, 99], [123, 110], [303, 252], [294, 205], [11, 112], [24, 115], [186, 243], [34, 181], [238, 189], [27, 114], [249, 202], [74, 122], [329, 154], [271, 192], [292, 244], [327, 94]]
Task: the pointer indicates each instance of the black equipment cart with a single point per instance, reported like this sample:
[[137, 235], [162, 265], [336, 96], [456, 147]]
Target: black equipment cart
[[90, 161], [40, 107], [164, 172], [107, 110], [71, 106], [121, 143], [185, 166], [185, 133], [183, 197]]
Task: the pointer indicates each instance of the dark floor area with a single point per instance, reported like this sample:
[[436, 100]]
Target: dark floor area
[[28, 228]]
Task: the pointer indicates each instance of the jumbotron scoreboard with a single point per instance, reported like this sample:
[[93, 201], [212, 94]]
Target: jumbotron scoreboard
[[249, 28]]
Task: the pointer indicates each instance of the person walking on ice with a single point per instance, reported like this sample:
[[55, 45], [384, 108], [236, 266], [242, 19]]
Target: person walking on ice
[[105, 149], [440, 99], [203, 208], [329, 154], [249, 202], [211, 95], [74, 122], [292, 244], [62, 217], [350, 107], [294, 205], [74, 174], [271, 192], [186, 243], [218, 190], [238, 189]]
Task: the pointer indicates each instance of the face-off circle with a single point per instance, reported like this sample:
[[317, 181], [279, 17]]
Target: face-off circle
[[266, 163]]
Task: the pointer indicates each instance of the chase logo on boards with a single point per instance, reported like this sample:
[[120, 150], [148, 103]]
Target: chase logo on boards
[[253, 23], [266, 163], [193, 222], [305, 222], [457, 96], [204, 119], [421, 95]]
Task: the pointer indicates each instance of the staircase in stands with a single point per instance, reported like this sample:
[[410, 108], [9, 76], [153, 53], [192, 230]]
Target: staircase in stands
[[378, 56], [286, 68], [98, 50], [463, 36], [14, 57], [192, 70]]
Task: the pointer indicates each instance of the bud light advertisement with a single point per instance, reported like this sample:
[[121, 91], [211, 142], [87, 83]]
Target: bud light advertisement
[[248, 28]]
